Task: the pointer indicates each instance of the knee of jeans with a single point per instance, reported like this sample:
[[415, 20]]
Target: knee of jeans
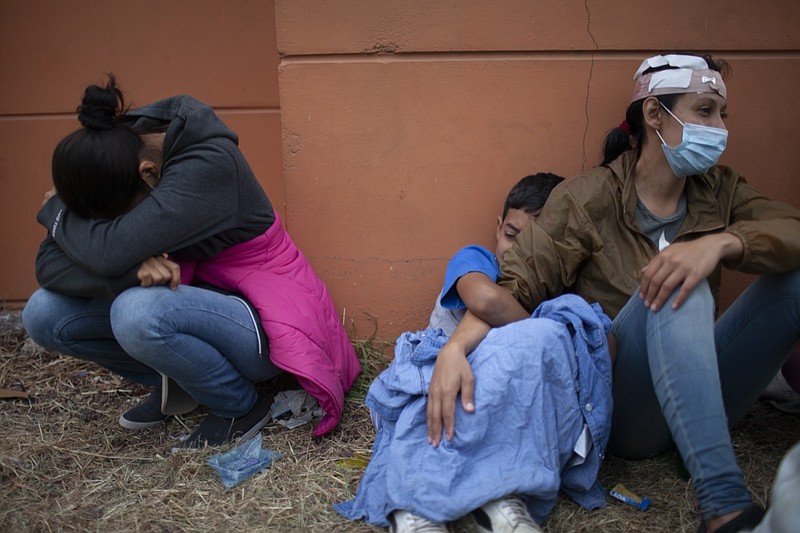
[[38, 317], [700, 297], [136, 315]]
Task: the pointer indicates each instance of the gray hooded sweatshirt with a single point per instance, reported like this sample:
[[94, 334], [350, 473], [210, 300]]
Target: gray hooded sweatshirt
[[208, 199]]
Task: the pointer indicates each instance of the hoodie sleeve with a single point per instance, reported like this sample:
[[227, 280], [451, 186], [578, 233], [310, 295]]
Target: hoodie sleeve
[[197, 198], [208, 199], [57, 272]]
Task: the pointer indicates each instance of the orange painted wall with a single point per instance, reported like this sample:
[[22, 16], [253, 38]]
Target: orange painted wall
[[222, 52], [405, 123], [389, 132]]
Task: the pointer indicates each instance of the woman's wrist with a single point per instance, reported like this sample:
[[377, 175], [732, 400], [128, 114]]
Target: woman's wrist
[[730, 246]]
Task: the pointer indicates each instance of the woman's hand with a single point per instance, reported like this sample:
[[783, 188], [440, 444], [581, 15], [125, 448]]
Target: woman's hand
[[451, 375], [683, 265], [159, 270]]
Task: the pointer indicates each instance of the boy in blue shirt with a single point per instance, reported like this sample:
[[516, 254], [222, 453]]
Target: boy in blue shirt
[[469, 275]]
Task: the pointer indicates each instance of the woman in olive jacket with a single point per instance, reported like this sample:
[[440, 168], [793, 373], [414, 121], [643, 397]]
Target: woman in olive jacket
[[646, 235]]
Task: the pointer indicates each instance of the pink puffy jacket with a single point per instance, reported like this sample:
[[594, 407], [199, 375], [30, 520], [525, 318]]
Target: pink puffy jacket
[[305, 335]]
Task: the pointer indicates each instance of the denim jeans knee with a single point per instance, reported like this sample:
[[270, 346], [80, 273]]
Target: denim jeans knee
[[204, 340], [81, 327], [38, 319]]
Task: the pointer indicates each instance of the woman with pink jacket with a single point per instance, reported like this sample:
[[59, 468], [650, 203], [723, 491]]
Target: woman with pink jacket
[[146, 198]]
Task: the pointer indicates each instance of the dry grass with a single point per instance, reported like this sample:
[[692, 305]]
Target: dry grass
[[66, 465]]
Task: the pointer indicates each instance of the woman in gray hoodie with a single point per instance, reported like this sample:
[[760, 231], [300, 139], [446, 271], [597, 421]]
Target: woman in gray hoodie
[[138, 192]]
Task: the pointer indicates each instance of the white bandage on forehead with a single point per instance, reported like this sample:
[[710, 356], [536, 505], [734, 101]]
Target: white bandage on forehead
[[687, 74]]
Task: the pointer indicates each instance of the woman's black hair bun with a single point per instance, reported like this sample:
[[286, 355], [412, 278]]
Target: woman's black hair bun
[[101, 106]]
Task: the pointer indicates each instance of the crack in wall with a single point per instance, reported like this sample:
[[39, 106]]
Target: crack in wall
[[588, 81]]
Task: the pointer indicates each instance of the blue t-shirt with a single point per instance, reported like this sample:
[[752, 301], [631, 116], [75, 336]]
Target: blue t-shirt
[[450, 308]]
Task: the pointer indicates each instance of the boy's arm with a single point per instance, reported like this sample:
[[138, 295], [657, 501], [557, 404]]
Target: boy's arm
[[469, 278], [451, 375], [488, 301]]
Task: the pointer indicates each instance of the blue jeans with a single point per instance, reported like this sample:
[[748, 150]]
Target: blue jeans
[[205, 341], [682, 378]]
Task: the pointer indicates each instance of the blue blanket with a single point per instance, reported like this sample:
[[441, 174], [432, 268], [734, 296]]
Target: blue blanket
[[541, 422]]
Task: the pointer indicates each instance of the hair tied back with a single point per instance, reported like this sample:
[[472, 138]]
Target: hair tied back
[[101, 106]]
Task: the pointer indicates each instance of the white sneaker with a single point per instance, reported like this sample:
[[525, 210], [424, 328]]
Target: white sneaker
[[782, 396], [779, 390], [506, 515], [404, 522]]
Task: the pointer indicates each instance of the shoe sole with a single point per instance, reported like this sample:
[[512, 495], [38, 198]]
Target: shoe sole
[[136, 426]]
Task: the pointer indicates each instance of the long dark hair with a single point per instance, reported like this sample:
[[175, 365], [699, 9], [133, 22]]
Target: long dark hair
[[96, 168], [618, 140]]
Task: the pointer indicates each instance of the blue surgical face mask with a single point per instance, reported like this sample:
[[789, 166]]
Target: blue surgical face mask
[[699, 150]]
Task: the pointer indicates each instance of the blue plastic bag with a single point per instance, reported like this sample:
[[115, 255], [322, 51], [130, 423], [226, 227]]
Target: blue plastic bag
[[242, 462]]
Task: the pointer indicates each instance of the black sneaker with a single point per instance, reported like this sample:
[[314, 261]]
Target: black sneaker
[[144, 414], [216, 430]]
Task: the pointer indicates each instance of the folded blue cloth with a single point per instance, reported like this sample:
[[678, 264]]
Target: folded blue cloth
[[539, 384]]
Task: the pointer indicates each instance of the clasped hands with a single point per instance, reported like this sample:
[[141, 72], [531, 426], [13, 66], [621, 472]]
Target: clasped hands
[[159, 270]]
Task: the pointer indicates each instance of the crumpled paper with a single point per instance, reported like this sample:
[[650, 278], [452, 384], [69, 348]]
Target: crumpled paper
[[243, 461], [294, 408]]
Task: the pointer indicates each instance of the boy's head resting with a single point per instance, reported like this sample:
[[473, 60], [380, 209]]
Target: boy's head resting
[[523, 204]]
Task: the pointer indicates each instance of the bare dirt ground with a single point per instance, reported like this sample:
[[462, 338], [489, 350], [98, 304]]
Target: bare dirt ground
[[66, 464]]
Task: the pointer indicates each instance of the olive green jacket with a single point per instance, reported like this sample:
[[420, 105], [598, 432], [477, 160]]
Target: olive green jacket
[[586, 239]]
